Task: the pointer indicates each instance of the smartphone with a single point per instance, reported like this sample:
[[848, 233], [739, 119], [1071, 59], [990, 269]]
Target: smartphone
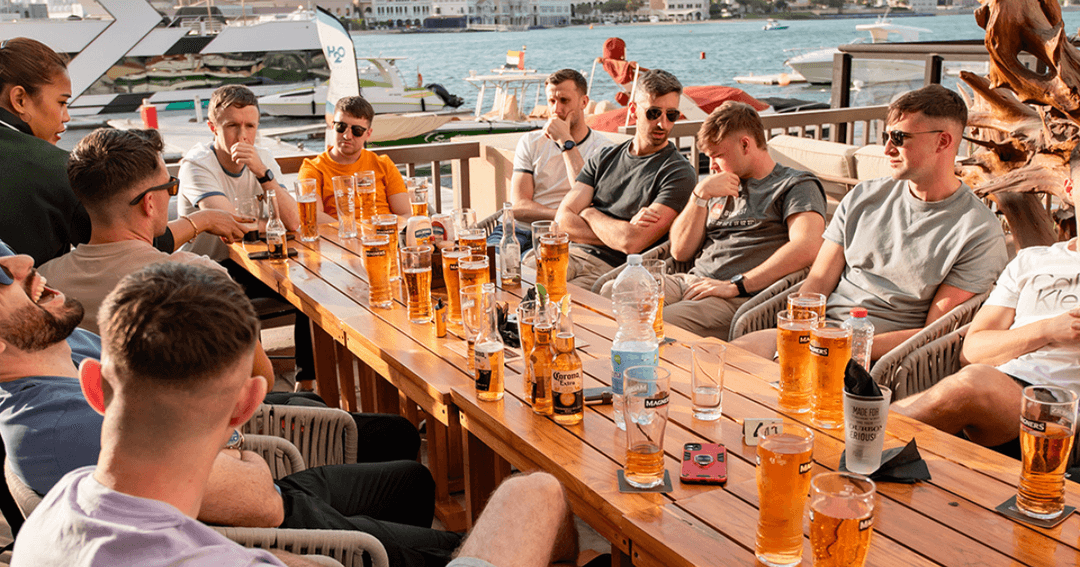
[[704, 463], [598, 396]]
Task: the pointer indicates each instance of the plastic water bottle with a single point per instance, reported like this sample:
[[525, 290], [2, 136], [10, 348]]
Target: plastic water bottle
[[634, 297], [862, 336]]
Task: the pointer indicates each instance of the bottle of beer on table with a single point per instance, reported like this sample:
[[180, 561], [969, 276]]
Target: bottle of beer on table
[[543, 354], [566, 375], [489, 350], [509, 249], [276, 243]]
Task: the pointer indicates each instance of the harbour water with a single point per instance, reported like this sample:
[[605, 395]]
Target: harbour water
[[731, 48]]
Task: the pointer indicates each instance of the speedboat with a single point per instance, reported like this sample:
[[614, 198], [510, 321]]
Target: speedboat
[[817, 65], [773, 25]]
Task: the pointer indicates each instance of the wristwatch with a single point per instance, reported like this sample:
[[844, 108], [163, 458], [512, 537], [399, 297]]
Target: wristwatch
[[269, 176], [700, 202], [236, 441], [568, 145], [738, 280]]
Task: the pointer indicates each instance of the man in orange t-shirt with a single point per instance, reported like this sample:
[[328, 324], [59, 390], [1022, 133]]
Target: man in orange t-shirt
[[352, 127]]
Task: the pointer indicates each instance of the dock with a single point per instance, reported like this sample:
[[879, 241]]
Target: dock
[[781, 79]]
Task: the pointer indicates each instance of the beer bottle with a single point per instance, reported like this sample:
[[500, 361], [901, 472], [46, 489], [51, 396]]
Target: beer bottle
[[276, 243], [566, 376], [543, 354], [509, 249], [489, 349]]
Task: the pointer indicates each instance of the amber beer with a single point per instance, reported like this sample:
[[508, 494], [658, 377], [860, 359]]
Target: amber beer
[[473, 270], [418, 286], [804, 302], [793, 347], [645, 460], [475, 239], [830, 350], [419, 203], [309, 217], [450, 259], [554, 260], [387, 225], [841, 519], [1042, 477], [377, 263], [543, 356], [646, 399], [783, 480]]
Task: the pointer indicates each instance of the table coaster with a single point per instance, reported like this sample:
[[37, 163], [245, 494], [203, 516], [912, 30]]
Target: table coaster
[[1009, 509], [663, 488]]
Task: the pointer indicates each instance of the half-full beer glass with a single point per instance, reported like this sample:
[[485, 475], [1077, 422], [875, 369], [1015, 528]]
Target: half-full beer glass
[[473, 270], [830, 350], [416, 265], [841, 519], [800, 302], [1047, 428], [345, 199], [387, 225], [377, 264], [307, 200], [451, 258], [783, 478], [365, 197], [419, 197], [645, 400], [475, 239], [554, 261], [793, 347]]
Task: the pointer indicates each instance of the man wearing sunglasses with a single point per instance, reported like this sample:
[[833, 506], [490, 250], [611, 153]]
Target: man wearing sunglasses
[[627, 195], [352, 127], [912, 246]]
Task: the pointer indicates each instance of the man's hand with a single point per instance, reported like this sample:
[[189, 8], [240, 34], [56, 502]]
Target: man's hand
[[220, 223], [721, 184], [558, 130], [1064, 328], [645, 217], [244, 153], [708, 287]]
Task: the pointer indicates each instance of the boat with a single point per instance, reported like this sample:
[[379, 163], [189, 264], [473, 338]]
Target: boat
[[381, 84], [773, 25], [816, 66]]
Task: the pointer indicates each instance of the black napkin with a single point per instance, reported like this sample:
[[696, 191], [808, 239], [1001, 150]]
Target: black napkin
[[508, 327], [857, 381], [900, 464]]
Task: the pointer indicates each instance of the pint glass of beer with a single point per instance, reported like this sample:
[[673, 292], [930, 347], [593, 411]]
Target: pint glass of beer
[[830, 350], [344, 197], [1047, 428], [801, 302], [540, 228], [377, 264], [554, 261], [474, 238], [416, 265], [387, 225], [645, 405], [841, 518], [473, 270], [307, 199], [793, 346], [783, 478], [451, 258], [365, 196], [657, 268]]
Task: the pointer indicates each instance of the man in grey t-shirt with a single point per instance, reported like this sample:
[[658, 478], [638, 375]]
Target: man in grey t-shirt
[[626, 196], [752, 220], [911, 247]]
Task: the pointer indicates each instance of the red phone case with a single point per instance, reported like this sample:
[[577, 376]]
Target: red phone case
[[704, 463]]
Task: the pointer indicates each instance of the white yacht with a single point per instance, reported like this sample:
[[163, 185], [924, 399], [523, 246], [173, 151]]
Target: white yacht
[[817, 65]]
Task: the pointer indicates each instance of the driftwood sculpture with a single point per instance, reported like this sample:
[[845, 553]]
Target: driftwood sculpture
[[1026, 121]]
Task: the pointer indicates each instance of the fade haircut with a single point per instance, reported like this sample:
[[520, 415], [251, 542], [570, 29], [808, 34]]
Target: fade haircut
[[933, 101], [731, 117], [656, 83], [237, 96], [176, 326], [568, 75], [29, 64], [108, 162], [355, 106]]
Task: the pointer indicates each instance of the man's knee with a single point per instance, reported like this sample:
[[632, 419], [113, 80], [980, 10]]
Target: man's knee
[[761, 343]]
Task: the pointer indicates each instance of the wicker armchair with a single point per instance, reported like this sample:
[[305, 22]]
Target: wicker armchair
[[926, 365], [759, 312], [324, 436], [489, 222]]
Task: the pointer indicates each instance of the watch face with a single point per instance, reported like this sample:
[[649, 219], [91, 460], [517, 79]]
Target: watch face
[[569, 145]]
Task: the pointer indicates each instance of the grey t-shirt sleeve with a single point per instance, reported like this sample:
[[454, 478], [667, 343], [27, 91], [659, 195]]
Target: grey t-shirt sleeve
[[589, 170], [676, 183], [981, 262], [805, 196], [835, 231]]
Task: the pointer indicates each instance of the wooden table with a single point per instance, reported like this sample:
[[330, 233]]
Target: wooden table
[[947, 521]]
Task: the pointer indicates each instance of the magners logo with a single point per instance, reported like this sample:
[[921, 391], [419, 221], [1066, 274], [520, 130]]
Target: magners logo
[[374, 252], [866, 523], [804, 339], [820, 351], [805, 467], [656, 402], [1035, 425]]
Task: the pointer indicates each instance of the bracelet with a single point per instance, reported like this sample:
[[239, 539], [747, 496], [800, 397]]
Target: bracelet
[[192, 226]]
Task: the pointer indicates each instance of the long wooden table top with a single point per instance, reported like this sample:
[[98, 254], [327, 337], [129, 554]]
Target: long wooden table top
[[949, 520]]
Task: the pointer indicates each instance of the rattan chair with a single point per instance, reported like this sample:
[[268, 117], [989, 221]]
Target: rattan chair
[[759, 312], [324, 436]]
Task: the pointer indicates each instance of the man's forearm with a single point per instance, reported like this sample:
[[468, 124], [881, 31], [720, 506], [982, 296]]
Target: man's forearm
[[577, 228], [885, 342], [688, 231], [789, 258], [1000, 346], [528, 211], [241, 492], [617, 234]]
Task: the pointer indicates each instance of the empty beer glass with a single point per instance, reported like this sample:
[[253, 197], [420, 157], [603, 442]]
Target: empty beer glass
[[463, 218], [830, 350], [248, 206], [793, 347], [707, 379], [645, 407], [307, 200], [377, 264], [841, 518], [416, 266], [783, 478], [345, 199], [1047, 429]]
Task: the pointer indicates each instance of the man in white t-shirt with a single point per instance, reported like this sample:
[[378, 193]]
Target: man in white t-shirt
[[547, 161], [1027, 333], [230, 169]]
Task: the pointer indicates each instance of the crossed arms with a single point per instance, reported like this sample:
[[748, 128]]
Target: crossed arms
[[587, 225]]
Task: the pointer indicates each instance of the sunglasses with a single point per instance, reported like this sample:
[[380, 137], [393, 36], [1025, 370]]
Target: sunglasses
[[172, 186], [897, 137], [357, 130], [672, 113]]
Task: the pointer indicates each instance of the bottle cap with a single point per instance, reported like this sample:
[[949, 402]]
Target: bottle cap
[[858, 312], [633, 260]]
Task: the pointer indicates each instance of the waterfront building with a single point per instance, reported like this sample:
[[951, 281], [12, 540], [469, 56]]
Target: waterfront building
[[680, 10], [513, 14]]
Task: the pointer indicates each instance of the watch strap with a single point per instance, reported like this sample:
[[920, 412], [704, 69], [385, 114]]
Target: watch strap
[[738, 281], [268, 176]]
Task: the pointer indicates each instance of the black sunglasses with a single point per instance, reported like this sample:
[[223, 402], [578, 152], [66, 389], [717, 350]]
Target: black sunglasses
[[898, 136], [672, 113], [172, 186], [357, 130]]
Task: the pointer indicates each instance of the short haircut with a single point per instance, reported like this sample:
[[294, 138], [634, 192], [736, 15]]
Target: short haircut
[[568, 75], [933, 101], [237, 96], [355, 106], [729, 118], [108, 162], [176, 325], [29, 64], [656, 83]]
